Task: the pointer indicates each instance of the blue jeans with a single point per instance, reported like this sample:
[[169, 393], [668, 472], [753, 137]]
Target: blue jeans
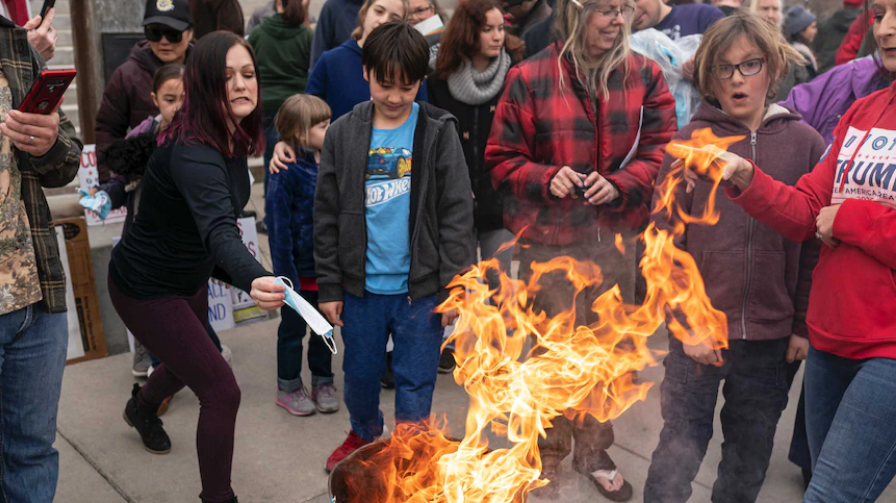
[[289, 350], [417, 333], [33, 347], [755, 390], [850, 411], [271, 137]]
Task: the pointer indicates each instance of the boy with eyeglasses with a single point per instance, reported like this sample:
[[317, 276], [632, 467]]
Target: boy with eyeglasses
[[168, 26]]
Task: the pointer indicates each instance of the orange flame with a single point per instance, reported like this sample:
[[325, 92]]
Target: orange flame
[[577, 370]]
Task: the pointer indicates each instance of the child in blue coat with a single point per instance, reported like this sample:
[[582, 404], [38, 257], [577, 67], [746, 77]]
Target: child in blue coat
[[302, 122]]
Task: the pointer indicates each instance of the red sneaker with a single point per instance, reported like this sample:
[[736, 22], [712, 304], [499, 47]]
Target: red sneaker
[[352, 443]]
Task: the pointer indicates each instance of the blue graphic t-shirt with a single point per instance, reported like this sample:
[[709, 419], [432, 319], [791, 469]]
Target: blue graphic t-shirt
[[388, 203]]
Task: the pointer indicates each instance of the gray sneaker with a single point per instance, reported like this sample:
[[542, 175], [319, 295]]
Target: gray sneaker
[[297, 403], [324, 395], [141, 360]]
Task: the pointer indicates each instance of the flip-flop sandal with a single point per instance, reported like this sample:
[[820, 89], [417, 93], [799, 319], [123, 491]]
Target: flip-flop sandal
[[623, 494]]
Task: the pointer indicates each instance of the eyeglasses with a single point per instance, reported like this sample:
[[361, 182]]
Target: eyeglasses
[[747, 68], [156, 34], [420, 11], [627, 11]]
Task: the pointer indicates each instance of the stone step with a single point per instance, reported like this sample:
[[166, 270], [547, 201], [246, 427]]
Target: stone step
[[62, 21], [64, 38], [64, 56], [62, 6], [71, 111]]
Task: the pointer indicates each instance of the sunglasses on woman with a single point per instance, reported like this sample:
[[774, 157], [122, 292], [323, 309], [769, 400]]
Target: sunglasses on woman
[[156, 34]]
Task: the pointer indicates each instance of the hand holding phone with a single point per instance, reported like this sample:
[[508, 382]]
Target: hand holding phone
[[47, 91], [48, 4], [41, 34], [34, 134]]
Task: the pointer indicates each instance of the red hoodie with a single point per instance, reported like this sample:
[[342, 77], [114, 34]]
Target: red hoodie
[[852, 306]]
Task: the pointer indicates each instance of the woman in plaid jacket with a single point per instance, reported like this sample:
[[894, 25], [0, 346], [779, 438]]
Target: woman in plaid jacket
[[576, 144]]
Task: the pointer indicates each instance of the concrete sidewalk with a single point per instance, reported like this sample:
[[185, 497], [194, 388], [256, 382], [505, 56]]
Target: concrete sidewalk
[[280, 458]]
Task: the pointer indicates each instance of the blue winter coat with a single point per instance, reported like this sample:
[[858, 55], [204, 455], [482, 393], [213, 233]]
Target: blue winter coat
[[289, 218], [338, 79]]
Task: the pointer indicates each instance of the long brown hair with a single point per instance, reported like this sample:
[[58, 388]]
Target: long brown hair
[[206, 111], [362, 16], [779, 55], [870, 43], [461, 37]]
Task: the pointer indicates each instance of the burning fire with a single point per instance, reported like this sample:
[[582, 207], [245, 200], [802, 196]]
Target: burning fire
[[577, 370]]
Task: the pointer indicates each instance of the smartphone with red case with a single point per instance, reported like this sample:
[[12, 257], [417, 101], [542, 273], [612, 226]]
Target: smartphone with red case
[[47, 91]]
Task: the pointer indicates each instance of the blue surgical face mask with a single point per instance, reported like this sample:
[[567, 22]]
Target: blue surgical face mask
[[309, 313], [99, 203]]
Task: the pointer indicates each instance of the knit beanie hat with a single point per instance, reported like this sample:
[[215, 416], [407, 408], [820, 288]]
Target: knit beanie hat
[[797, 20]]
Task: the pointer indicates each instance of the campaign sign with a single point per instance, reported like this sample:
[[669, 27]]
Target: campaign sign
[[220, 305], [249, 234], [88, 177], [866, 167]]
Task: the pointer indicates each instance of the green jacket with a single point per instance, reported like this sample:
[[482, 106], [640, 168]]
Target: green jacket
[[283, 53], [21, 65]]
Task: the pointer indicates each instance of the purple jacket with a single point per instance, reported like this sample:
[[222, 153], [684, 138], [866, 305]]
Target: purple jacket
[[759, 279], [824, 100]]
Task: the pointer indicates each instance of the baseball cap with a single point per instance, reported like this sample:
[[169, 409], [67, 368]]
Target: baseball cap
[[172, 13]]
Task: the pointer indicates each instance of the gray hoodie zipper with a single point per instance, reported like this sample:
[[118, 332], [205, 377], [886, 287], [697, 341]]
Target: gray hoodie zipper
[[415, 232], [743, 314]]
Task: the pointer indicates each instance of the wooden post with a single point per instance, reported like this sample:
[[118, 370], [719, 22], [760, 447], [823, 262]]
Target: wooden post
[[87, 56]]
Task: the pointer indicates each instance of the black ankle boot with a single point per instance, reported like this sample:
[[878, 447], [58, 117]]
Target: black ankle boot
[[147, 424], [234, 500]]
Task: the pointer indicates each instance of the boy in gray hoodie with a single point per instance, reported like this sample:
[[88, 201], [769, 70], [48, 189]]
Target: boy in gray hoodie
[[393, 224]]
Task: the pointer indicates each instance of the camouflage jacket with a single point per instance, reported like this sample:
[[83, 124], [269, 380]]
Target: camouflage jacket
[[21, 64]]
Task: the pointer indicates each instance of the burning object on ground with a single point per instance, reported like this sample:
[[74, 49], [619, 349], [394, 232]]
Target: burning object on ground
[[523, 369]]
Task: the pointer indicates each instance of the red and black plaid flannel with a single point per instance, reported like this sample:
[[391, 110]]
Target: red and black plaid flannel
[[537, 130]]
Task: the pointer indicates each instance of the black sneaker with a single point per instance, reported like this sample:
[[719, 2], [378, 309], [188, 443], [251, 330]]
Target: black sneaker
[[387, 380], [147, 424], [446, 361]]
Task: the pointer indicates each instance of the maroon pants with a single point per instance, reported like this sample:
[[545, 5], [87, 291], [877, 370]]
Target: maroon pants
[[173, 329]]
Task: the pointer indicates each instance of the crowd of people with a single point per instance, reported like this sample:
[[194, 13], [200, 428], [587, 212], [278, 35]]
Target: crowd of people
[[402, 145]]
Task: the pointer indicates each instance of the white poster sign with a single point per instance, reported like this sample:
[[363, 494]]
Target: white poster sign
[[75, 344], [249, 234], [88, 177], [220, 305]]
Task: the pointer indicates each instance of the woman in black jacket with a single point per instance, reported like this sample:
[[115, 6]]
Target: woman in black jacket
[[193, 189], [473, 60]]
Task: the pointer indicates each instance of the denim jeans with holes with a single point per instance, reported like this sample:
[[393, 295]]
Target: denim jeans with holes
[[33, 348]]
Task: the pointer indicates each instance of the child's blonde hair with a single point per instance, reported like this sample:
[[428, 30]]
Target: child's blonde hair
[[296, 117], [722, 35]]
